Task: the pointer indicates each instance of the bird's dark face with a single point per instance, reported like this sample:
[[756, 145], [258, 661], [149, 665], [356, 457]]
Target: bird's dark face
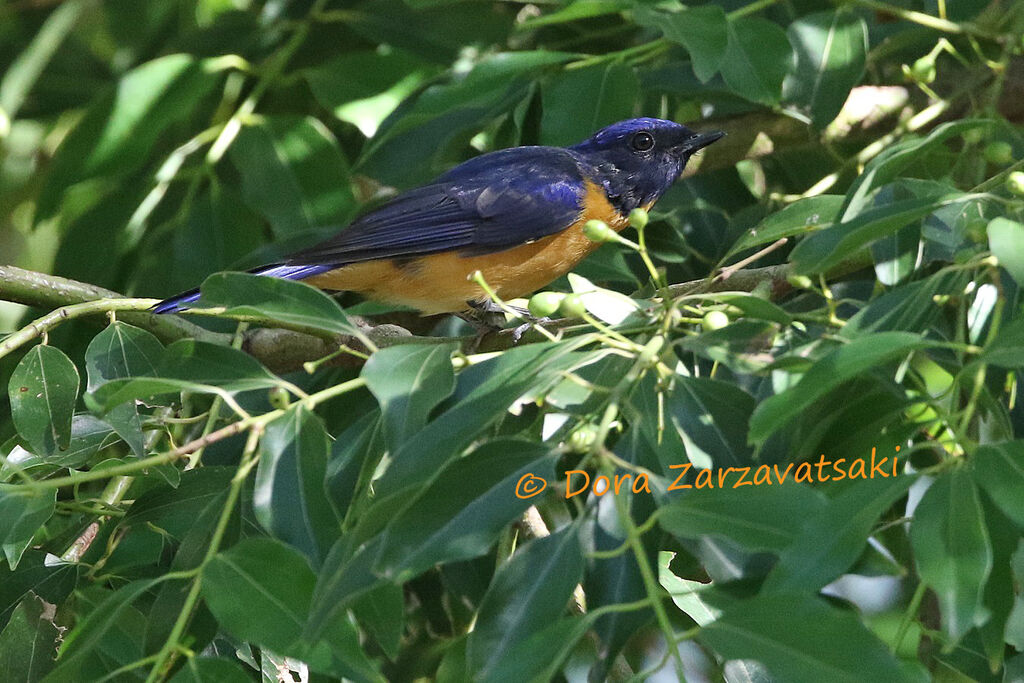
[[639, 159]]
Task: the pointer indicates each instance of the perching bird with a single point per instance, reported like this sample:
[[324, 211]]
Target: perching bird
[[516, 215]]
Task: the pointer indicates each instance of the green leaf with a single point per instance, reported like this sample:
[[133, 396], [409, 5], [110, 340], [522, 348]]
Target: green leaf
[[289, 301], [831, 541], [822, 250], [999, 470], [1006, 240], [799, 638], [500, 382], [702, 30], [898, 255], [28, 644], [99, 628], [831, 50], [527, 594], [211, 670], [33, 575], [189, 365], [425, 135], [174, 508], [757, 58], [261, 591], [578, 102], [382, 612], [43, 390], [757, 518], [119, 131], [886, 167], [289, 499], [952, 550], [409, 381], [838, 366], [711, 417], [463, 510], [806, 215], [23, 511], [122, 351], [584, 9], [293, 173]]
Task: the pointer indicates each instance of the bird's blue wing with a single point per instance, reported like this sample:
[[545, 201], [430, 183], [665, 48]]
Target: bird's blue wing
[[488, 204]]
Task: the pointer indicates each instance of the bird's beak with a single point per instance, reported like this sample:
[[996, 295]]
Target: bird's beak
[[699, 141]]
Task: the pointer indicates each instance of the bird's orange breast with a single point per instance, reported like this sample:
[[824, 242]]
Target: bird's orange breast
[[440, 283]]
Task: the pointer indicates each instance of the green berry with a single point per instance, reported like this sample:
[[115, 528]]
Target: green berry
[[638, 218], [572, 306], [544, 304], [279, 398], [1015, 183], [714, 320], [583, 438], [999, 152], [598, 231], [923, 70]]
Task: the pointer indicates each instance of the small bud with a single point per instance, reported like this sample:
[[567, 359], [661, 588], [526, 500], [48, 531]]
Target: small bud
[[999, 152], [544, 304], [598, 231], [572, 306], [279, 398], [638, 218], [583, 438], [1015, 183], [714, 320], [799, 281], [923, 70]]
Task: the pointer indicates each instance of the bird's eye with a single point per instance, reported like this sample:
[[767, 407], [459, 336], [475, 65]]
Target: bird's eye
[[642, 141]]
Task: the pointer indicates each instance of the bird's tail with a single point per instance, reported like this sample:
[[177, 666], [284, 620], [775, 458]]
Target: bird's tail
[[181, 302]]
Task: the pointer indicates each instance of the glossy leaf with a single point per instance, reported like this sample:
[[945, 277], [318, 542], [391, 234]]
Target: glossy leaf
[[122, 351], [43, 390], [460, 514], [529, 592], [290, 301], [23, 511], [756, 517], [803, 216], [409, 381], [289, 498]]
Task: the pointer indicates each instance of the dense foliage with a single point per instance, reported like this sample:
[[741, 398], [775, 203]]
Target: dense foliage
[[835, 289]]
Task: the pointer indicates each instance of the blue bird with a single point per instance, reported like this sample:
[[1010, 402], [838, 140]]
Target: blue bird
[[516, 215]]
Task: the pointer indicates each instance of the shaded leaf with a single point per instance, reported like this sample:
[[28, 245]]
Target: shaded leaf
[[757, 58], [952, 550], [1006, 239], [831, 50], [999, 470], [702, 30], [578, 102]]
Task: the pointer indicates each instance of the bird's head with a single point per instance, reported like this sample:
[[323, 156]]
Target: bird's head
[[639, 159]]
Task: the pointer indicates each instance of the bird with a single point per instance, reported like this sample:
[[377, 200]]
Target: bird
[[516, 215]]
